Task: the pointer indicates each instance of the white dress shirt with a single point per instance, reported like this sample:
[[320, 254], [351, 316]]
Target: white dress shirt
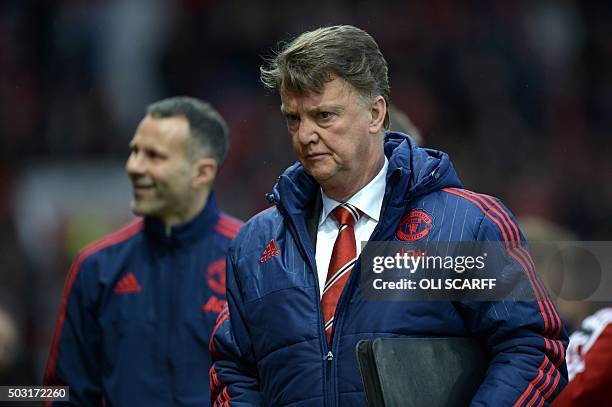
[[369, 200]]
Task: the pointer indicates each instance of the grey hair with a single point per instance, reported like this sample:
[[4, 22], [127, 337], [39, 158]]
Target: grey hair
[[311, 60]]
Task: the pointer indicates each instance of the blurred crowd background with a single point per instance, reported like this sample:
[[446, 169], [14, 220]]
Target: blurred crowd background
[[519, 93]]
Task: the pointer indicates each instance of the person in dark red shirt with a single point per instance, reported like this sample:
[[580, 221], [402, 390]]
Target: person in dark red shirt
[[589, 363]]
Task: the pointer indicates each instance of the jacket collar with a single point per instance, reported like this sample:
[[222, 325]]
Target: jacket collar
[[186, 233]]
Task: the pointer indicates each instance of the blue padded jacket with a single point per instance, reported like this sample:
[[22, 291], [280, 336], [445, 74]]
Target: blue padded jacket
[[269, 346]]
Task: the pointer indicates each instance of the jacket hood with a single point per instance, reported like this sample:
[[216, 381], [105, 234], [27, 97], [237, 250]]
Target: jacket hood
[[425, 170], [413, 171]]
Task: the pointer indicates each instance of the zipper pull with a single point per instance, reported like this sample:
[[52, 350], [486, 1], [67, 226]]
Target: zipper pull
[[329, 357], [270, 197]]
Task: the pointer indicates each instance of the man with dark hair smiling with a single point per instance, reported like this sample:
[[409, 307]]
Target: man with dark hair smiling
[[296, 309], [139, 305]]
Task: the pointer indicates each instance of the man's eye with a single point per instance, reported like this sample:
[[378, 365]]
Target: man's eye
[[325, 115], [292, 120], [154, 155]]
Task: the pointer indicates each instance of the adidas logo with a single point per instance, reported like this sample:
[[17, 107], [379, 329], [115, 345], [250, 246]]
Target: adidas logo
[[127, 285], [270, 252]]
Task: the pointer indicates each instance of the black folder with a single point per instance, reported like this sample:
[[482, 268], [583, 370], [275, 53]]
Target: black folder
[[421, 372]]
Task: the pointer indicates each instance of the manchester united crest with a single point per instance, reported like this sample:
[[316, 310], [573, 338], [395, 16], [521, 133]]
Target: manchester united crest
[[415, 225]]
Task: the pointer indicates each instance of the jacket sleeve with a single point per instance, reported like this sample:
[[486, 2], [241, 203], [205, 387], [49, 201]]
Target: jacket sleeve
[[74, 357], [524, 339], [233, 375]]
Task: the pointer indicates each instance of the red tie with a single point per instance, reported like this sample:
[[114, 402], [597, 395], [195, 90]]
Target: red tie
[[342, 261]]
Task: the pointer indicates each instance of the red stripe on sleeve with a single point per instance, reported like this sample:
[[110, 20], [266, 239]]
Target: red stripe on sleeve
[[220, 322], [228, 226], [546, 309]]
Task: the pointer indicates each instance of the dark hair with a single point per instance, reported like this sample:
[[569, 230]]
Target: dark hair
[[310, 60], [208, 129]]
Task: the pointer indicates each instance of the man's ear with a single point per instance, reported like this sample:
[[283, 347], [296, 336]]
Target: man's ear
[[378, 110], [204, 171]]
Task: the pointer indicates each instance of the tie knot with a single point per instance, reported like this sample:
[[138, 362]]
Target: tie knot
[[346, 214]]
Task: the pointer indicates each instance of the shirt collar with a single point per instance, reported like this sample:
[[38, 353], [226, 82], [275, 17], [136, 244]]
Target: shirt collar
[[368, 199], [187, 232]]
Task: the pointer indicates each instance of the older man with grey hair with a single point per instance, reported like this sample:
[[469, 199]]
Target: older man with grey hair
[[296, 298]]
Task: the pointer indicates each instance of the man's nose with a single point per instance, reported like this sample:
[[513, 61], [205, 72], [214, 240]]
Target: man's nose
[[134, 164], [307, 132]]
